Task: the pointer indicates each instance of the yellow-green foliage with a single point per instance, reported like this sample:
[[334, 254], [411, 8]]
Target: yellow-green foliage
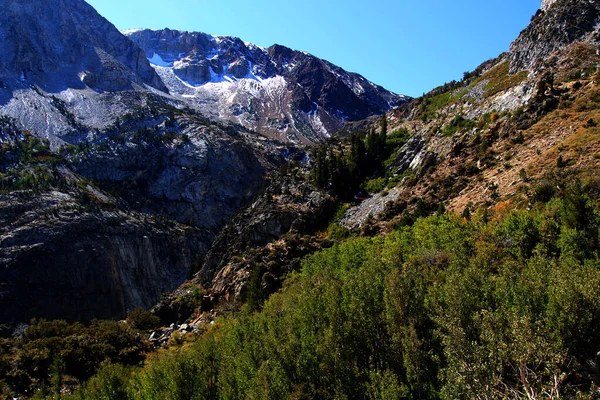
[[142, 320], [447, 308], [500, 79], [54, 352], [580, 62], [431, 104], [589, 102], [335, 231], [375, 185]]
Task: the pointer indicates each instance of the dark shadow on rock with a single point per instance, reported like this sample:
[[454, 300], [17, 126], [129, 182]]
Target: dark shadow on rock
[[6, 94]]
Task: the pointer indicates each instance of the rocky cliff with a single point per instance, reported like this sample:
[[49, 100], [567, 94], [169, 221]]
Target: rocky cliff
[[70, 250], [546, 4], [97, 222], [116, 174], [282, 93], [64, 259], [288, 206], [564, 23]]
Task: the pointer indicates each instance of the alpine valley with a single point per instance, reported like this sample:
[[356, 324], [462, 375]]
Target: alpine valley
[[188, 216], [123, 159]]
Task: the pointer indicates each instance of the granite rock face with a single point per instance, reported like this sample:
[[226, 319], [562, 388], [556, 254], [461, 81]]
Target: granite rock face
[[58, 44], [201, 177], [565, 22], [62, 259], [137, 206], [148, 162], [286, 206]]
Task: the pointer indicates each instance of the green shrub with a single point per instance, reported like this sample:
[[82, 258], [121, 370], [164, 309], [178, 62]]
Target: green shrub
[[446, 308], [458, 124], [543, 193], [112, 381], [375, 185], [143, 320]]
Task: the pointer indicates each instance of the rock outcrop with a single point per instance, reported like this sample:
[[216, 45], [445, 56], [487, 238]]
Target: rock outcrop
[[134, 183], [192, 173], [59, 44], [565, 22], [546, 4], [103, 230], [287, 206], [484, 139]]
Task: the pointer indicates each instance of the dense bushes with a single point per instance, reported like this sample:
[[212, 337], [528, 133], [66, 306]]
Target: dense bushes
[[506, 305], [56, 354], [142, 320]]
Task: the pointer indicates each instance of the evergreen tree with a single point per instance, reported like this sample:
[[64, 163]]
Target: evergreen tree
[[320, 173], [384, 125], [358, 157]]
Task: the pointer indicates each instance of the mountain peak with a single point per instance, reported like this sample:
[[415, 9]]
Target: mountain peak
[[546, 4], [560, 23], [282, 93], [60, 44]]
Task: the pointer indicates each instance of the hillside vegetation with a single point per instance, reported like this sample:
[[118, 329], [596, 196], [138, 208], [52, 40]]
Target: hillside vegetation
[[463, 260], [504, 305]]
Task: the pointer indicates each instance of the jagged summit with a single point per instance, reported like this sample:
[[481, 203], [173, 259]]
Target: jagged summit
[[546, 4], [560, 23], [286, 94]]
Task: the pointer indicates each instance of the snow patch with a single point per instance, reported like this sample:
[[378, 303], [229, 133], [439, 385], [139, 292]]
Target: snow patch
[[317, 124], [157, 60], [127, 32], [252, 46]]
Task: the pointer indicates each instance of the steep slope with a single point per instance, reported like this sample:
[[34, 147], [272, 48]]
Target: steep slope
[[284, 94], [61, 65], [518, 121], [165, 178], [97, 222], [493, 143], [58, 44], [561, 24], [500, 302]]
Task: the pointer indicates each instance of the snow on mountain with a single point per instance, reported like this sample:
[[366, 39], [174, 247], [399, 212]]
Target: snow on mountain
[[281, 93]]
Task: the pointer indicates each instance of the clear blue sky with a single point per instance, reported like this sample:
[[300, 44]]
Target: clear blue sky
[[407, 46]]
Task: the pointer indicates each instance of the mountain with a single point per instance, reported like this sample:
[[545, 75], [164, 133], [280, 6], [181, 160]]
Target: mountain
[[284, 94], [490, 140], [123, 156], [140, 149], [499, 131], [64, 69], [110, 191], [559, 25], [63, 65], [116, 224], [446, 250], [57, 44]]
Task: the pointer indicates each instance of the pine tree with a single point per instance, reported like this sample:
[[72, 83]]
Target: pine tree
[[320, 173], [384, 125], [358, 157]]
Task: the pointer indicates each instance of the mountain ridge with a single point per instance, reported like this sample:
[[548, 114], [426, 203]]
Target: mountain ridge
[[306, 98]]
